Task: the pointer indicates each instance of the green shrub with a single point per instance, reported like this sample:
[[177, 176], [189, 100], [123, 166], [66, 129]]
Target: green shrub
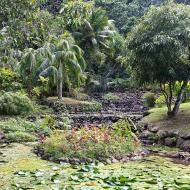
[[9, 80], [89, 143], [19, 136], [15, 104], [160, 101], [118, 84], [111, 97], [83, 106], [20, 125], [82, 96], [16, 127], [93, 106], [149, 99]]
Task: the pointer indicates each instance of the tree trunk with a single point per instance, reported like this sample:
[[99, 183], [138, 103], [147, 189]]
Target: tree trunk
[[60, 81], [180, 96], [29, 86]]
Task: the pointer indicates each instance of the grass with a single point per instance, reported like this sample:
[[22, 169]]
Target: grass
[[181, 123]]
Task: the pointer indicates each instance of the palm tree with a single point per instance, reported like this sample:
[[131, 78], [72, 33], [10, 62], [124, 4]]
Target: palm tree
[[27, 68], [96, 32], [66, 59]]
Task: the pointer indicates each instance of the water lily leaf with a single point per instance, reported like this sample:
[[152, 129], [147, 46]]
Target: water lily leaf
[[39, 174], [69, 188]]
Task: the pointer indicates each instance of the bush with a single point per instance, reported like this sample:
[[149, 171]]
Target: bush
[[160, 101], [15, 104], [13, 129], [118, 84], [19, 136], [9, 80], [89, 143], [111, 97], [93, 106], [83, 106], [149, 99]]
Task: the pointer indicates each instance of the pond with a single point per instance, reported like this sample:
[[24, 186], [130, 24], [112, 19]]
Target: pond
[[20, 169]]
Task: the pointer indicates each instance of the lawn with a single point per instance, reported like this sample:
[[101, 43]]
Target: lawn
[[181, 123]]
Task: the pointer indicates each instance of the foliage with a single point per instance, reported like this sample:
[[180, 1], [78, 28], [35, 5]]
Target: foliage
[[94, 106], [149, 99], [93, 143], [111, 97], [9, 79], [159, 47], [75, 13], [79, 106], [20, 130], [20, 137], [65, 59], [160, 101], [15, 104], [127, 13], [82, 96]]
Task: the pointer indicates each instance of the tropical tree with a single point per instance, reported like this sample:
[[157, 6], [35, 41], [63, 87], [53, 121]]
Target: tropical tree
[[127, 13], [75, 13], [160, 50], [66, 61], [27, 68], [96, 32]]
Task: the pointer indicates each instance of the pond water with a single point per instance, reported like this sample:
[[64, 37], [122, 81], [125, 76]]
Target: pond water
[[20, 169]]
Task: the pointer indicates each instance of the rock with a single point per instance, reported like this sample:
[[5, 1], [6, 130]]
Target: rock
[[117, 157], [153, 129], [147, 142], [74, 161], [65, 160], [173, 133], [170, 141], [146, 135], [60, 124], [125, 159], [183, 155], [113, 160], [180, 141], [185, 145], [162, 134], [186, 136], [108, 161], [2, 135]]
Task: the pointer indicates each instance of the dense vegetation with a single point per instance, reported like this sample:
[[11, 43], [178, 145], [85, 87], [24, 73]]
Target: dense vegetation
[[76, 79]]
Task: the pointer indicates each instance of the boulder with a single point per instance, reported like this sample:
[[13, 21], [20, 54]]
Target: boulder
[[153, 129], [2, 135], [172, 133], [180, 141], [170, 141], [185, 145], [186, 136], [162, 134], [146, 135]]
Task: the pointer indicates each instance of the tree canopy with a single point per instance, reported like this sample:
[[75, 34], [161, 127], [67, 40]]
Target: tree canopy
[[160, 47]]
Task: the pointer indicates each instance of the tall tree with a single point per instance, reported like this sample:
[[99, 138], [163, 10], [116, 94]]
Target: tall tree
[[66, 60], [160, 50], [127, 13]]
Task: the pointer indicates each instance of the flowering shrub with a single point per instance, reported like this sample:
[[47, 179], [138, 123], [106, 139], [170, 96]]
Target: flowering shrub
[[89, 142]]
